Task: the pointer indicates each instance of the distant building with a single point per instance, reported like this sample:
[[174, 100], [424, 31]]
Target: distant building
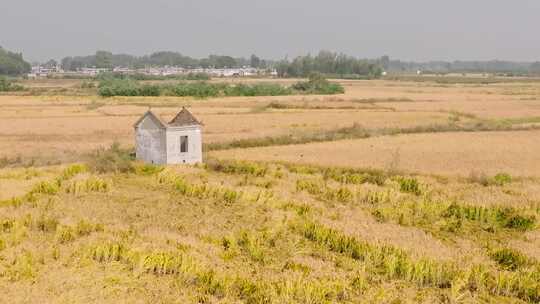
[[44, 71], [176, 142], [93, 71]]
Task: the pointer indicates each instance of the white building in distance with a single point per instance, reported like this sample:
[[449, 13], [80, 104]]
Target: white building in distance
[[176, 142]]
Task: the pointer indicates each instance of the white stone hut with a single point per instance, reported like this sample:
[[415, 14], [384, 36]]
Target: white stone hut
[[176, 142]]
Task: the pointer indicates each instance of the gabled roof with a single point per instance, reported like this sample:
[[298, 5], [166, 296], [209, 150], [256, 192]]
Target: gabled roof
[[184, 118], [153, 116]]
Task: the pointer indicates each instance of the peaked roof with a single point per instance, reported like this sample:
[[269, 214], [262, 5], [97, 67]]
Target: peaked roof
[[153, 116], [184, 118]]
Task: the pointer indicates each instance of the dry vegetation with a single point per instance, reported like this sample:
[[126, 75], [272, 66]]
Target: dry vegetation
[[394, 192], [266, 233]]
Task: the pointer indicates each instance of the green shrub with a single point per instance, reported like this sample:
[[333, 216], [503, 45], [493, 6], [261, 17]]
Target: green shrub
[[494, 217], [149, 90], [317, 84], [195, 89], [114, 86], [118, 87], [6, 85], [409, 185], [502, 179], [509, 259], [520, 222]]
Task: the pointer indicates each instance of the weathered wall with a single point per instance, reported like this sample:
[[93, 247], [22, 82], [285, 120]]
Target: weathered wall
[[194, 154], [150, 142]]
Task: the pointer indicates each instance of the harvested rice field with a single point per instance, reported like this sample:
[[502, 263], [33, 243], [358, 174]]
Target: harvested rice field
[[449, 153], [229, 232], [393, 192]]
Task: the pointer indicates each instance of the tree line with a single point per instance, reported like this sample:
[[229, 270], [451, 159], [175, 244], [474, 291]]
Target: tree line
[[442, 67], [331, 64], [104, 59], [326, 62], [12, 64]]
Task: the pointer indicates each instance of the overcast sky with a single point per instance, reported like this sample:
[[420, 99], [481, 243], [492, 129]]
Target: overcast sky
[[411, 30]]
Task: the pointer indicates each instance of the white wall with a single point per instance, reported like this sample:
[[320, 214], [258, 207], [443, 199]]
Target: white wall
[[150, 142], [194, 154]]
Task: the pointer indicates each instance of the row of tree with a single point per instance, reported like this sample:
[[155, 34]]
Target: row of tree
[[325, 62], [492, 66], [331, 64], [104, 59], [12, 64]]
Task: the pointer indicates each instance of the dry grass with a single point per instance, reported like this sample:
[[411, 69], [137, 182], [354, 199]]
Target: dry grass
[[176, 235], [61, 124], [429, 221], [443, 153]]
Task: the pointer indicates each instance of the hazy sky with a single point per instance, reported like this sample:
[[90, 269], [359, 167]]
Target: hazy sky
[[410, 30]]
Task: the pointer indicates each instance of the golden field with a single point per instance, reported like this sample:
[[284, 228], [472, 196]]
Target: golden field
[[67, 121], [452, 153], [394, 192]]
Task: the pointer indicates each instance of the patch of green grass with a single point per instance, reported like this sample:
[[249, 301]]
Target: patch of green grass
[[502, 179], [509, 259], [409, 185]]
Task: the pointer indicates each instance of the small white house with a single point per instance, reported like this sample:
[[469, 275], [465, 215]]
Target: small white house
[[176, 142]]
